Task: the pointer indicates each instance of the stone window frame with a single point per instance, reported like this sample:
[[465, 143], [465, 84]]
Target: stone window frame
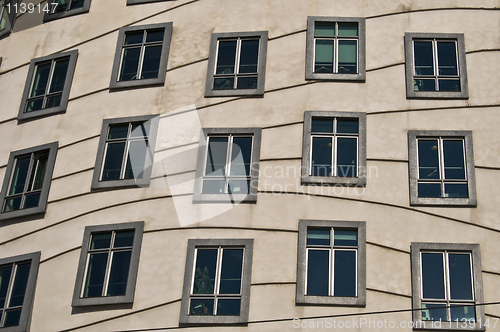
[[261, 66], [306, 178], [416, 248], [356, 301], [251, 197], [162, 70], [128, 298], [410, 64], [42, 204], [124, 183], [471, 201], [310, 74], [55, 16], [22, 115], [193, 244], [138, 2]]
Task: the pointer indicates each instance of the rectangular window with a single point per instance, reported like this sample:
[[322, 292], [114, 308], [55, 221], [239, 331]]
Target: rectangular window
[[437, 64], [331, 263], [449, 284], [442, 167], [334, 148], [217, 282], [228, 170], [27, 181], [7, 17], [48, 85], [108, 264], [141, 56], [236, 64], [335, 48], [126, 149], [64, 8]]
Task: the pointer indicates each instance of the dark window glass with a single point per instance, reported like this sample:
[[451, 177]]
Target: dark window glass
[[447, 58], [347, 57], [228, 307], [226, 57], [460, 276], [230, 279], [456, 190], [433, 276], [135, 159], [12, 317], [462, 313], [223, 83], [216, 156], [319, 125], [428, 160], [59, 76], [113, 161], [449, 85], [124, 239], [344, 280], [425, 85], [429, 190], [249, 56], [241, 156], [247, 82], [20, 283], [345, 238], [318, 237], [347, 126], [120, 131], [347, 154], [434, 311], [424, 63], [154, 36], [324, 29], [204, 278], [348, 29], [100, 241], [130, 64], [20, 174], [5, 273], [76, 4], [132, 38], [95, 275], [200, 307], [318, 272], [118, 274], [31, 200], [140, 129], [454, 161], [321, 156], [41, 79], [151, 62], [323, 58]]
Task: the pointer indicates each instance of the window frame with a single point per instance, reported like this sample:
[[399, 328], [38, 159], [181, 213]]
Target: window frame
[[42, 203], [193, 244], [466, 135], [310, 49], [47, 17], [78, 301], [306, 178], [410, 37], [72, 55], [261, 64], [251, 197], [146, 177], [300, 296], [416, 249], [162, 70], [5, 32]]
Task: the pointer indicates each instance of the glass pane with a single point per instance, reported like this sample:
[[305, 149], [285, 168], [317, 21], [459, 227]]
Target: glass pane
[[124, 239], [249, 56], [130, 64], [447, 58], [134, 37], [100, 241], [41, 78], [113, 161], [424, 85], [348, 29], [454, 163], [20, 283], [345, 126], [213, 187], [38, 172], [62, 5], [151, 62], [449, 85], [118, 275], [318, 237], [200, 307], [34, 105], [59, 75], [323, 58], [238, 186], [216, 156], [347, 157], [12, 204], [241, 156], [321, 156], [424, 64], [226, 57], [76, 4], [53, 101], [136, 159], [120, 131], [432, 276], [230, 276], [434, 314], [428, 160], [460, 276], [348, 55], [319, 125], [204, 275], [4, 17], [324, 29], [19, 175], [247, 82], [31, 200], [224, 83], [344, 280], [429, 190], [345, 238], [5, 273], [140, 129], [318, 272], [456, 190], [467, 312], [154, 36], [94, 281], [228, 307], [12, 317]]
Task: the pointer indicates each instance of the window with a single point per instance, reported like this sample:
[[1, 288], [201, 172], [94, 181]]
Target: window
[[7, 16], [125, 153], [441, 168], [331, 267], [447, 284], [335, 48], [228, 165], [435, 65], [27, 181], [334, 148], [64, 8], [47, 86], [17, 287], [217, 282], [141, 56], [108, 265], [237, 64]]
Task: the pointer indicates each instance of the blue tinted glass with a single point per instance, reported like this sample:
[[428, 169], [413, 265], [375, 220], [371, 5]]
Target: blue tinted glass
[[454, 163], [318, 237], [456, 190], [319, 125], [460, 313], [155, 36], [346, 126], [204, 275], [230, 278], [226, 57], [428, 160], [449, 85], [201, 307], [424, 85], [347, 157], [344, 280], [460, 276], [434, 311], [94, 281], [424, 64], [228, 307], [249, 56], [447, 58], [118, 275], [247, 82], [318, 272], [241, 156], [429, 190], [433, 276], [151, 62], [345, 238], [134, 37], [321, 156]]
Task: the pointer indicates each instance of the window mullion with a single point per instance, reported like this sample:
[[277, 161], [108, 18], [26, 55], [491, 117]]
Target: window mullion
[[228, 162], [141, 55], [125, 152], [441, 165], [27, 183], [331, 272], [436, 63], [447, 284], [108, 265], [49, 82], [217, 278], [10, 289], [237, 63]]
